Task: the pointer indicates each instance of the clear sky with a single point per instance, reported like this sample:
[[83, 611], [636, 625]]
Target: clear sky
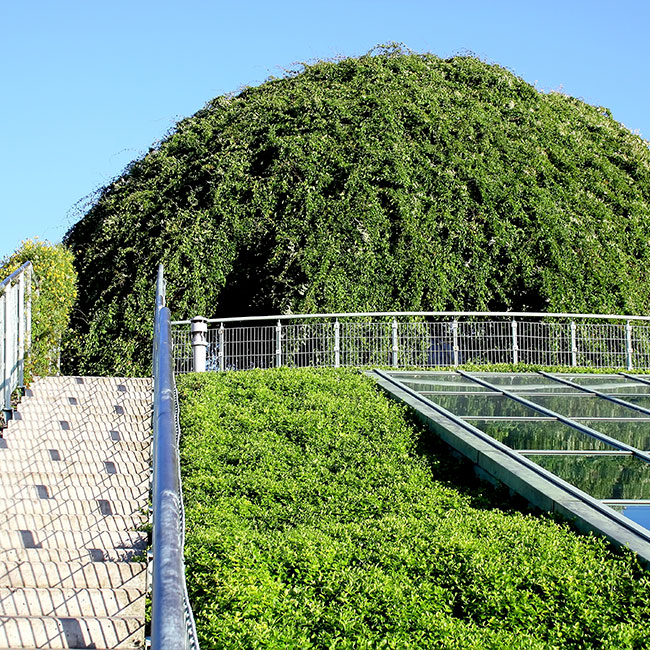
[[87, 86]]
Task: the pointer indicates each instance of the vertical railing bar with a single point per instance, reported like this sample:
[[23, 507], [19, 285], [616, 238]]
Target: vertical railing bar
[[278, 344], [515, 345], [337, 343], [454, 334], [574, 348], [222, 352], [628, 344], [395, 348]]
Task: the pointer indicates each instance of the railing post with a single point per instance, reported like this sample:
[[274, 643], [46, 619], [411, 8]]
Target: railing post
[[199, 338], [6, 403], [278, 344], [515, 344], [454, 334], [222, 350], [8, 351], [337, 343], [628, 344], [395, 349], [21, 331], [574, 347]]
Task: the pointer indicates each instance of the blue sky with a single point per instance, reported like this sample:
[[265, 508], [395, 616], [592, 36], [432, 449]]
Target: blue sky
[[88, 86]]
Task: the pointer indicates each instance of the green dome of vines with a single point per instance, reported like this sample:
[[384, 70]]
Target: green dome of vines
[[393, 181]]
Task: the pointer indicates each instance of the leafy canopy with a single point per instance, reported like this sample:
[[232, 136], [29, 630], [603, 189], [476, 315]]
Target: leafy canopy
[[54, 291], [390, 181]]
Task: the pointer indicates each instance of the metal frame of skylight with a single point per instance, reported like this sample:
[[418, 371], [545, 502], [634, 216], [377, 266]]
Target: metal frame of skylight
[[588, 512], [564, 419]]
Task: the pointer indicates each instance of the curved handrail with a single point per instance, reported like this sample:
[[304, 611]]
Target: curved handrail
[[382, 314], [172, 625], [15, 274]]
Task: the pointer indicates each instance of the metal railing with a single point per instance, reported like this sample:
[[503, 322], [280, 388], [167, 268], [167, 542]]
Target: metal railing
[[172, 621], [15, 325], [412, 339]]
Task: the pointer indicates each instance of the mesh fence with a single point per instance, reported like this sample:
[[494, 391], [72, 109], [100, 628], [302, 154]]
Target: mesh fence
[[417, 342]]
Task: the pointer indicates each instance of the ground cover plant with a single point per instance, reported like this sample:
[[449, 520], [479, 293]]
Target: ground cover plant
[[320, 516], [391, 181]]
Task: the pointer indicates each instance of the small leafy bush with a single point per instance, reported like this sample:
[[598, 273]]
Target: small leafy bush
[[320, 516], [54, 291]]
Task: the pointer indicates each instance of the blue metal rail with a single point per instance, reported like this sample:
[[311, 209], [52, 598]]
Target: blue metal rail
[[172, 622]]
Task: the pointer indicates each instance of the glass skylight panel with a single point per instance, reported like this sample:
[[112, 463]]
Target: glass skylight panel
[[624, 389], [526, 383], [485, 405], [640, 400], [539, 434], [602, 476], [598, 382], [633, 433], [441, 382], [584, 406]]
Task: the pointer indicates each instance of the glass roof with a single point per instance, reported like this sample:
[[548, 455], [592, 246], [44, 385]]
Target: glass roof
[[593, 432]]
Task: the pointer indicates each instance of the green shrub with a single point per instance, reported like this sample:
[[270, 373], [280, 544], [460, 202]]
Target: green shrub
[[320, 516], [393, 181], [54, 291]]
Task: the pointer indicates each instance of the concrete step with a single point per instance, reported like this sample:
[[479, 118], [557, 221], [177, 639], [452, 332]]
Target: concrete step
[[136, 496], [97, 467], [81, 555], [79, 398], [54, 507], [91, 384], [53, 538], [98, 409], [131, 427], [64, 632], [96, 521], [109, 440], [83, 400], [31, 601], [67, 478], [80, 455], [130, 431], [79, 575]]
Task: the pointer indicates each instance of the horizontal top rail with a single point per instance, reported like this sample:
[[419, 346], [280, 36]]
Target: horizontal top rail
[[14, 275], [500, 314]]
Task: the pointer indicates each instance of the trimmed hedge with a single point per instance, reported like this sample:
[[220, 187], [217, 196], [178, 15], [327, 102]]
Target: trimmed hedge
[[320, 516]]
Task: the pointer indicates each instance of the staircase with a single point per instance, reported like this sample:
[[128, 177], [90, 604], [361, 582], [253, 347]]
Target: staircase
[[74, 490]]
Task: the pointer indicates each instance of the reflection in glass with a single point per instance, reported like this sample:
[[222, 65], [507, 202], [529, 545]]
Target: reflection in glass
[[603, 477], [486, 405], [539, 434], [639, 514], [440, 382], [640, 400], [598, 381], [636, 434], [584, 406], [624, 389], [523, 380]]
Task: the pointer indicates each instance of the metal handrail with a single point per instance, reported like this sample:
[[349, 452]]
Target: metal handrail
[[15, 315], [172, 622], [453, 314]]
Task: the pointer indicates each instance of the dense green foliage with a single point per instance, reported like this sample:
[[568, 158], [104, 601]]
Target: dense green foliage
[[390, 181], [54, 291], [320, 516]]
